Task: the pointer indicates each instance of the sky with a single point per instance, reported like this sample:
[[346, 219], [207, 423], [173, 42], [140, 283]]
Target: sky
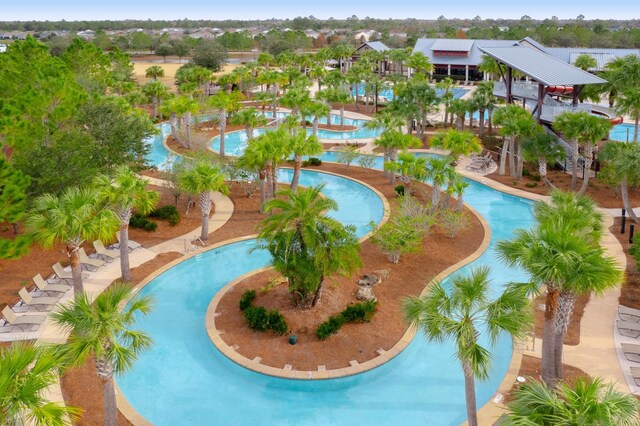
[[72, 10]]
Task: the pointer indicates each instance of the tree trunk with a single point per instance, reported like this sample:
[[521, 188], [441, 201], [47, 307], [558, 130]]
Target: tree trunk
[[222, 118], [566, 302], [342, 115], [470, 394], [314, 129], [548, 368], [318, 295], [435, 196], [512, 157], [205, 209], [297, 163], [503, 155], [263, 194], [636, 129], [490, 121], [173, 122], [588, 160], [187, 126], [520, 165], [624, 191], [575, 152], [481, 123], [105, 371], [76, 269], [542, 169]]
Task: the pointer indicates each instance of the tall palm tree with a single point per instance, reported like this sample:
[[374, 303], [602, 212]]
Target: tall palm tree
[[457, 143], [72, 218], [439, 171], [445, 86], [419, 62], [99, 329], [315, 110], [225, 103], [459, 315], [202, 179], [515, 123], [306, 244], [299, 144], [587, 402], [124, 193], [458, 108], [185, 107], [250, 119], [157, 91], [410, 168], [543, 148], [484, 100], [622, 165], [295, 98], [393, 141], [26, 371], [628, 102]]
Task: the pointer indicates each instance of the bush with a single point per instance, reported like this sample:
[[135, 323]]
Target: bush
[[141, 222], [277, 323], [360, 312], [260, 319], [313, 161], [634, 250], [329, 327], [531, 184], [453, 221], [168, 212], [247, 299], [399, 189]]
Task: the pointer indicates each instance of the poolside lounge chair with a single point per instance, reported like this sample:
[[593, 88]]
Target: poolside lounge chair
[[24, 321], [40, 303], [65, 275], [87, 262], [105, 253], [628, 328], [635, 373], [131, 244], [45, 287], [628, 314], [631, 351]]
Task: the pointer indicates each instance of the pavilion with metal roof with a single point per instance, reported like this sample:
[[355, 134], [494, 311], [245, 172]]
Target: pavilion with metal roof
[[548, 72]]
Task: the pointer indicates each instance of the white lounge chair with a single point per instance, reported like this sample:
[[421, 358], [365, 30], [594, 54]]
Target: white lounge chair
[[22, 322], [87, 262], [631, 351], [40, 303], [105, 253], [45, 287], [635, 373], [65, 275], [628, 314], [131, 244], [628, 328]]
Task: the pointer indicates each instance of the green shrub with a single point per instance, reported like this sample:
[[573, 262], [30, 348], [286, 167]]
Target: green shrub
[[399, 189], [260, 319], [634, 250], [535, 177], [256, 317], [313, 161], [141, 222], [329, 327], [168, 212], [360, 312], [531, 184], [246, 299]]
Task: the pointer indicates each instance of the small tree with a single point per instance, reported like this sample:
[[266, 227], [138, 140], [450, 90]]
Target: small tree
[[348, 155], [399, 236], [453, 221], [457, 143]]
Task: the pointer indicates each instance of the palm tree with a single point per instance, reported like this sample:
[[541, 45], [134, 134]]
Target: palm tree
[[458, 188], [587, 402], [582, 128], [458, 108], [295, 98], [157, 91], [250, 119], [628, 102], [585, 62], [154, 72], [72, 218], [99, 329], [202, 179], [457, 143], [490, 66], [419, 62], [393, 141], [306, 244], [26, 371], [299, 144], [439, 171], [484, 100], [459, 315], [543, 148], [225, 103], [446, 85], [185, 106], [315, 110], [124, 193], [410, 168], [515, 123], [623, 167], [338, 96]]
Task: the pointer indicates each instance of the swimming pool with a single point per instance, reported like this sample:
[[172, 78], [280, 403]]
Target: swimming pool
[[622, 132], [193, 383], [387, 92]]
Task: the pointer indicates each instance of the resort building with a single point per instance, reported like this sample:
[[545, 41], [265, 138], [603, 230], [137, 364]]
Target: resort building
[[459, 58]]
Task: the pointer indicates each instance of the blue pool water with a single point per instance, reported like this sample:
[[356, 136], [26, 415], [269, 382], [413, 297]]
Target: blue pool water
[[622, 132], [388, 95], [183, 379]]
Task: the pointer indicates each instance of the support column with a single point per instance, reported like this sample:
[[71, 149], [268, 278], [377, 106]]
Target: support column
[[507, 84], [466, 73], [576, 93], [540, 101], [449, 69]]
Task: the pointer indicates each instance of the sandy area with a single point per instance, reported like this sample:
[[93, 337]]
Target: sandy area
[[170, 69]]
